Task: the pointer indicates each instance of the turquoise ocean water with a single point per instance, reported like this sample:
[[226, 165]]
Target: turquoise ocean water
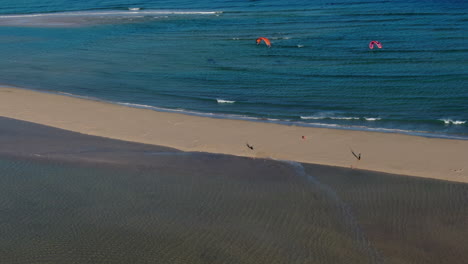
[[200, 57]]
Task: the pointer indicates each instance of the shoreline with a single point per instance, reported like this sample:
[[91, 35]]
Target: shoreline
[[285, 122], [402, 154]]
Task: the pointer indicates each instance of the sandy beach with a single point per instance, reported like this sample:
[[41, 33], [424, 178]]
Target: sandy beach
[[444, 159], [69, 197]]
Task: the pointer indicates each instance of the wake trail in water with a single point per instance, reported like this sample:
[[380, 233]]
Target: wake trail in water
[[348, 217]]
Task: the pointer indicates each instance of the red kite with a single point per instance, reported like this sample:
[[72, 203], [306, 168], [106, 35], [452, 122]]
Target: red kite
[[267, 41]]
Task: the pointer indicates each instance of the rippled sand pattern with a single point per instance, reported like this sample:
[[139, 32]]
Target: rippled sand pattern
[[408, 220], [237, 211], [71, 198]]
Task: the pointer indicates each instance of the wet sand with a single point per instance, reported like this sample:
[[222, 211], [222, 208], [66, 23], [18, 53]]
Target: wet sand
[[66, 197], [393, 153]]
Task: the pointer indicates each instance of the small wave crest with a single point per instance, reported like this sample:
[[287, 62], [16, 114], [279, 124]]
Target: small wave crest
[[452, 122], [339, 118], [222, 101], [112, 13], [83, 18]]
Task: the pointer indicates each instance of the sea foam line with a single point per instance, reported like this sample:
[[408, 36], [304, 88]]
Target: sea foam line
[[131, 12], [340, 118], [222, 101], [452, 122]]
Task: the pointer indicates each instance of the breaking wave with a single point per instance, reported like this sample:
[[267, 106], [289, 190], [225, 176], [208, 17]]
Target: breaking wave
[[222, 101], [339, 118], [453, 122], [84, 18], [113, 13]]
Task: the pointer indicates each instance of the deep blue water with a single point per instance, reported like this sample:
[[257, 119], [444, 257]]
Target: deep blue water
[[190, 55]]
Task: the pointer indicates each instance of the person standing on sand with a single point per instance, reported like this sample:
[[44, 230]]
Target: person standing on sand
[[358, 157]]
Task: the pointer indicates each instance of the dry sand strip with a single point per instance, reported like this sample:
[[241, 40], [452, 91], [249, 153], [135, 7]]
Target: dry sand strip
[[445, 159]]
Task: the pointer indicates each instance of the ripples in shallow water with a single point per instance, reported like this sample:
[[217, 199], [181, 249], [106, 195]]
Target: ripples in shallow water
[[200, 208]]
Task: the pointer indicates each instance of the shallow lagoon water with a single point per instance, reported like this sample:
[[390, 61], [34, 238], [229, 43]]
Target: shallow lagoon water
[[96, 200]]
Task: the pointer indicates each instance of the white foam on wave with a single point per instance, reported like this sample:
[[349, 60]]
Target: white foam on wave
[[113, 13], [134, 8], [452, 122], [323, 117], [137, 105], [329, 117], [372, 118], [312, 117], [80, 18], [344, 118], [69, 94], [196, 113], [222, 101]]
